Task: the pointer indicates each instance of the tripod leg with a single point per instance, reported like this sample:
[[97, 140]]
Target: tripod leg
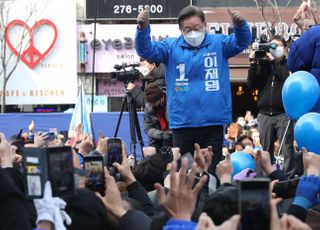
[[138, 130], [124, 103], [131, 109]]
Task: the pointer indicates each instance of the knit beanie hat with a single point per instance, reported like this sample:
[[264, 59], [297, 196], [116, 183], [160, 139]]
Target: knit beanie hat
[[153, 93]]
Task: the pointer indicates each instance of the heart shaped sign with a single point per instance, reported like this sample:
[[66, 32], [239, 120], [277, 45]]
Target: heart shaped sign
[[31, 56]]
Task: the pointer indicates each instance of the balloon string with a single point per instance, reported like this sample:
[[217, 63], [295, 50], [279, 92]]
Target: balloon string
[[284, 137]]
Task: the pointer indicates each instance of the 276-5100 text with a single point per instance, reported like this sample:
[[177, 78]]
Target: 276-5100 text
[[128, 9]]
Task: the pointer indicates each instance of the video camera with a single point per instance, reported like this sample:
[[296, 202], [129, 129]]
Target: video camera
[[262, 46], [125, 76]]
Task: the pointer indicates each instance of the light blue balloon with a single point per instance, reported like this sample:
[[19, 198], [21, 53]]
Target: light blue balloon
[[307, 132], [241, 161], [300, 93]]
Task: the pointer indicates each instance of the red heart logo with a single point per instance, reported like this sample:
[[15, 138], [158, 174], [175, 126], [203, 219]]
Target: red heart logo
[[31, 56]]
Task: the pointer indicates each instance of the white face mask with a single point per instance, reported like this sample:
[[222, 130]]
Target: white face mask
[[241, 123], [278, 52], [144, 70], [248, 148], [194, 38]]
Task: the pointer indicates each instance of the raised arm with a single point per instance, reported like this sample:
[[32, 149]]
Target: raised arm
[[151, 50], [239, 39]]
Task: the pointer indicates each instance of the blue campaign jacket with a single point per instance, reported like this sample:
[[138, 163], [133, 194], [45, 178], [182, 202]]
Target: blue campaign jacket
[[197, 79], [304, 55], [175, 224]]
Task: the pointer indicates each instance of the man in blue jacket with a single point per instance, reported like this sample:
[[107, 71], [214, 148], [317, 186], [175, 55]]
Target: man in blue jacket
[[304, 54], [197, 76]]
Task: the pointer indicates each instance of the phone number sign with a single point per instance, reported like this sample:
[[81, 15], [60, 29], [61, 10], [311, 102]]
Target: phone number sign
[[129, 9]]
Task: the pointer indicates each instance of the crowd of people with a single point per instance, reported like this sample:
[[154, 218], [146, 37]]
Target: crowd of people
[[187, 178]]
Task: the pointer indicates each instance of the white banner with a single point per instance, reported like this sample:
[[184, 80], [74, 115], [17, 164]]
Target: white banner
[[47, 70]]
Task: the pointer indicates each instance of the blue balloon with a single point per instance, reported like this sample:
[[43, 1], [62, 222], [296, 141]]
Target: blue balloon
[[307, 132], [300, 93], [241, 161]]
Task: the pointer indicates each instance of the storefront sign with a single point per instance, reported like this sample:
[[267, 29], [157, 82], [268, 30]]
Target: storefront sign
[[45, 44]]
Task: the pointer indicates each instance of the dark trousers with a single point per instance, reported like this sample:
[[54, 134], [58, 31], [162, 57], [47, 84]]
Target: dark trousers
[[272, 128], [185, 139]]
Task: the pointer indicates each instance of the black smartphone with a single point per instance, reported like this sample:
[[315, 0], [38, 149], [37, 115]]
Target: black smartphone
[[93, 166], [60, 164], [51, 136], [114, 153], [48, 164], [254, 204], [286, 189], [65, 134]]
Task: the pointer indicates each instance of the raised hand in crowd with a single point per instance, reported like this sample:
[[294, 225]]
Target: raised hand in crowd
[[264, 161], [112, 199], [203, 157], [176, 153], [102, 146], [311, 163], [86, 145], [79, 134], [304, 15], [31, 127], [289, 222], [286, 222], [39, 140], [124, 168], [308, 192], [224, 170], [51, 209], [206, 223], [180, 201], [6, 155], [143, 19]]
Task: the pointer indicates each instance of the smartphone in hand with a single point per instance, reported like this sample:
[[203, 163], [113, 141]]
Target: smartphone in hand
[[287, 188], [114, 153], [254, 204], [94, 173]]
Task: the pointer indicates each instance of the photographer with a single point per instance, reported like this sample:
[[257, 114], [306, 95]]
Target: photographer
[[268, 75], [152, 72], [155, 117]]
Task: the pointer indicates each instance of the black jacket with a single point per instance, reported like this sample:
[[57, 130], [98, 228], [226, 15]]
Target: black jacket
[[158, 78], [13, 211], [152, 128], [268, 78], [134, 220], [136, 191]]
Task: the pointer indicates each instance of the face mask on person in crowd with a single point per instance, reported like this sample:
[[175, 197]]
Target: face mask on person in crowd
[[277, 52], [194, 38], [242, 123], [248, 148], [144, 70]]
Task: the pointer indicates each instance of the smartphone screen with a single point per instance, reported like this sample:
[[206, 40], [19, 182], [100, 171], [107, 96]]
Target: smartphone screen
[[94, 173], [255, 204], [51, 136], [114, 151], [286, 189], [61, 171], [65, 135]]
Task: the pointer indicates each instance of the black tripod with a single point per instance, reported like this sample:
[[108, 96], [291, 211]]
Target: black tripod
[[135, 131]]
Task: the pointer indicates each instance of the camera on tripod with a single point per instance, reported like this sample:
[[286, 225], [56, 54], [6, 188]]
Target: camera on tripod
[[124, 75], [262, 46]]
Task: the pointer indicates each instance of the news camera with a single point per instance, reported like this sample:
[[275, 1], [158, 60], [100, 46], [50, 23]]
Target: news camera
[[262, 46], [124, 75]]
